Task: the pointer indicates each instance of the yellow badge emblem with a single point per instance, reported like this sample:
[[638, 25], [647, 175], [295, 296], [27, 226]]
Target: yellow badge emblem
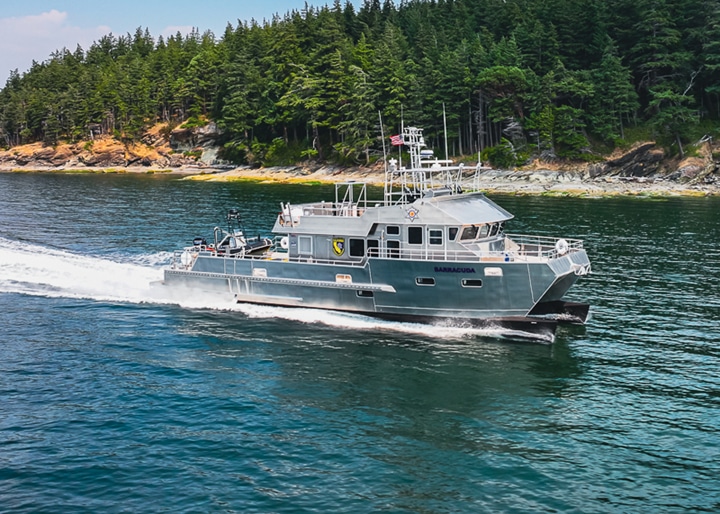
[[338, 244]]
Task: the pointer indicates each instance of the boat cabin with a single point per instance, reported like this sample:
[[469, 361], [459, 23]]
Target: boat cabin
[[443, 226]]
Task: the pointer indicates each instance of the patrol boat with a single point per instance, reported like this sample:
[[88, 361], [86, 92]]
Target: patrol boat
[[433, 249]]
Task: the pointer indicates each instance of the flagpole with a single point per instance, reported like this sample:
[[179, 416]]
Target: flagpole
[[402, 129]]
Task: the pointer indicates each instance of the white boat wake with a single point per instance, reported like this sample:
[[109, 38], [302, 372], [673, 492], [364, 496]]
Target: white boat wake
[[32, 269]]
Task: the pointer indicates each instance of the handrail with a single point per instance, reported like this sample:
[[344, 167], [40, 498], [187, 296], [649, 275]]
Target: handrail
[[515, 247]]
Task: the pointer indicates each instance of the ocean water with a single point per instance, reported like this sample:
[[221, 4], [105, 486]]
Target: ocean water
[[115, 397]]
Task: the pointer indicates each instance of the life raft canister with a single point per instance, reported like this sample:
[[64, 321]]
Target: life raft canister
[[561, 247]]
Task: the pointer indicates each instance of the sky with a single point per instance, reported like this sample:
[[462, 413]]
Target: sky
[[33, 29]]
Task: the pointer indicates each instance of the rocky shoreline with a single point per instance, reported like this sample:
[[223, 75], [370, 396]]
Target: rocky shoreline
[[523, 182], [535, 182], [642, 170]]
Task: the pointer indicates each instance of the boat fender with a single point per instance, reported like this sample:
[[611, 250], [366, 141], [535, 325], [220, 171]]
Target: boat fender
[[561, 247], [284, 243]]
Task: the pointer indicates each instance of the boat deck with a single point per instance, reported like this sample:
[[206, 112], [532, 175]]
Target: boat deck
[[517, 248]]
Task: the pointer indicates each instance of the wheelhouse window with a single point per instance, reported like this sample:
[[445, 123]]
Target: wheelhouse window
[[435, 236], [415, 235], [357, 247], [469, 233], [393, 230], [452, 233]]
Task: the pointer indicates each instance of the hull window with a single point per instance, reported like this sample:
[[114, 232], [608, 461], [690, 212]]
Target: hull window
[[471, 282], [415, 235], [365, 294], [425, 281]]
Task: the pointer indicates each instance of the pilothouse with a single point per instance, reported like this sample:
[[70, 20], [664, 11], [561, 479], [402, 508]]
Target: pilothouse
[[433, 249]]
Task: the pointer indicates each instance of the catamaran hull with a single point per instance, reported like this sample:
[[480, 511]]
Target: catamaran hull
[[503, 294]]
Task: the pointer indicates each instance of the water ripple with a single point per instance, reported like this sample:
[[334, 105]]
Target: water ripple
[[114, 400]]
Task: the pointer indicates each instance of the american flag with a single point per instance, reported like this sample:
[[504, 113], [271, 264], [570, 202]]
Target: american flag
[[396, 140]]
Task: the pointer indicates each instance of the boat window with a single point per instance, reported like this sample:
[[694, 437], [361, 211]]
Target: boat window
[[357, 247], [393, 249], [372, 245], [469, 233], [425, 281], [364, 294], [493, 229], [484, 229], [452, 233], [304, 244], [435, 236], [373, 229], [415, 235], [471, 282], [393, 230]]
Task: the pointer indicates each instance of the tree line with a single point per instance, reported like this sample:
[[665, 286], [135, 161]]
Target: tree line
[[516, 78]]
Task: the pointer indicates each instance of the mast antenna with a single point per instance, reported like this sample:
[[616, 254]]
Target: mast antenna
[[445, 129]]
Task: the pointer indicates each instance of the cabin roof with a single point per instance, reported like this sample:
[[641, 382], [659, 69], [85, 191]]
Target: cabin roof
[[468, 209], [472, 209]]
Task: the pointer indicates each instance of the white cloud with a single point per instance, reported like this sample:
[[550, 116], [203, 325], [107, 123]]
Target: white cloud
[[34, 37]]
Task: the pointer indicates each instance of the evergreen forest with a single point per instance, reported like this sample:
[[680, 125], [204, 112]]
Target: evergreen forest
[[510, 79]]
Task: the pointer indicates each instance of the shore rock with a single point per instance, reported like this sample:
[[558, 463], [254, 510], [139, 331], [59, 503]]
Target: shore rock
[[641, 168], [154, 150]]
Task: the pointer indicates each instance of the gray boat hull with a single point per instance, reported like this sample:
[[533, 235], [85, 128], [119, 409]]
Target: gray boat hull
[[470, 292]]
